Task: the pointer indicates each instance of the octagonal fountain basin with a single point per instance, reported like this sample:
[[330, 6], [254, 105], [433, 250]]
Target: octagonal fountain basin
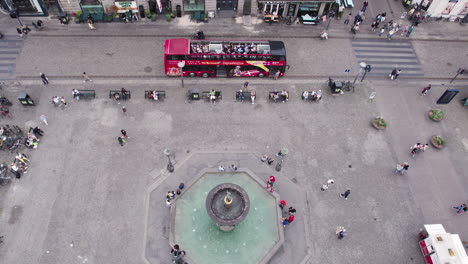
[[200, 236]]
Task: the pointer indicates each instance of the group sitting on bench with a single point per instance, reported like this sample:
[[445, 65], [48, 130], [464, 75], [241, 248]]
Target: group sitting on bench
[[153, 95], [213, 96], [312, 96], [283, 96]]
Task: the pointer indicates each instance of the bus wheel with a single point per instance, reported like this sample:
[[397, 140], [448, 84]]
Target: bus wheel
[[261, 75], [192, 74], [205, 75]]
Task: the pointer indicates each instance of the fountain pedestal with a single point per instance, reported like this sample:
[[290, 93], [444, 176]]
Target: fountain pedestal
[[227, 204]]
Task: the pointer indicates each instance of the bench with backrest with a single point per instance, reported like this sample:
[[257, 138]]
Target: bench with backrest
[[87, 94], [160, 95], [206, 95], [312, 95], [122, 97], [245, 94], [279, 98]]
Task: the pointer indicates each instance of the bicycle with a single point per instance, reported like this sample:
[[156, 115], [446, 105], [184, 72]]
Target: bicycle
[[19, 142]]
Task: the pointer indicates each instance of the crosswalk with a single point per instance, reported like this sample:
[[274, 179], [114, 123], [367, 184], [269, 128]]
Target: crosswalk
[[385, 55], [10, 48]]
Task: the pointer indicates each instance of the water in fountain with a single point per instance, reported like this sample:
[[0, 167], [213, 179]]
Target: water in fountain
[[201, 237]]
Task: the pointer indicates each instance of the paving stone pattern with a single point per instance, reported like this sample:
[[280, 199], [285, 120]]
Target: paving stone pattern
[[10, 48], [384, 56]]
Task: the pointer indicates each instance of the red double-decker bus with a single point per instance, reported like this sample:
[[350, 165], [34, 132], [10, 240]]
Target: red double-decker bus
[[224, 58]]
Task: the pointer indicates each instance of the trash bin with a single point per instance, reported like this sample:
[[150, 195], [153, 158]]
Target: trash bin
[[25, 99], [194, 94], [14, 13]]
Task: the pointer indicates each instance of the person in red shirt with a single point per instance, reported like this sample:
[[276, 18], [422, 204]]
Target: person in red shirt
[[270, 183]]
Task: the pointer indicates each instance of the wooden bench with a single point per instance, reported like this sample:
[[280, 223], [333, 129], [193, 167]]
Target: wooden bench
[[113, 92], [85, 94], [281, 98], [161, 95], [311, 96], [206, 95], [246, 96]]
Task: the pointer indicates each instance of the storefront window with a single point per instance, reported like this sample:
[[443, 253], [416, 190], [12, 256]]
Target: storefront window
[[26, 7], [308, 8], [194, 5]]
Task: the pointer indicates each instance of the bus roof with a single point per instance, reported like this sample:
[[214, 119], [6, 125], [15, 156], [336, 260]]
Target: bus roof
[[182, 46], [177, 47]]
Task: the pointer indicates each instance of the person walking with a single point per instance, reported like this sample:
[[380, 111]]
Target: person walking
[[43, 118], [124, 110], [461, 208], [246, 85], [425, 90], [270, 183], [401, 168], [341, 232], [327, 185], [91, 24], [398, 72], [390, 34], [393, 74], [20, 32], [124, 133], [282, 204], [63, 102], [364, 6], [345, 194], [121, 141], [346, 21], [44, 78], [410, 30], [277, 75], [291, 210], [86, 77], [357, 18], [286, 221], [381, 31], [404, 30]]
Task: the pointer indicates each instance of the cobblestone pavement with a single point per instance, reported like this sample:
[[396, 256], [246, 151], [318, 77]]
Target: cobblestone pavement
[[86, 190]]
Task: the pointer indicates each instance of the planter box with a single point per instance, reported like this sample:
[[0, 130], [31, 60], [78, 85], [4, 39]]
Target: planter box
[[433, 119], [374, 124], [434, 143]]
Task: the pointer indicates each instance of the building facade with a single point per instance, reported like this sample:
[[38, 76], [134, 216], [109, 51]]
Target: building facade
[[178, 7], [451, 9], [295, 8]]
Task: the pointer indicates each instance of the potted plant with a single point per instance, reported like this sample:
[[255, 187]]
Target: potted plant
[[77, 17], [436, 114], [379, 123], [147, 14], [438, 141], [153, 17], [173, 14], [168, 17]]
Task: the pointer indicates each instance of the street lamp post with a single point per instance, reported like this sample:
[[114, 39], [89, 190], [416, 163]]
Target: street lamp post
[[362, 65], [366, 70], [460, 71], [181, 67], [330, 17], [168, 154]]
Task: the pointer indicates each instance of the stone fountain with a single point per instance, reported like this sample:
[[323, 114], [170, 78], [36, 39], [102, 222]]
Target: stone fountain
[[227, 204]]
